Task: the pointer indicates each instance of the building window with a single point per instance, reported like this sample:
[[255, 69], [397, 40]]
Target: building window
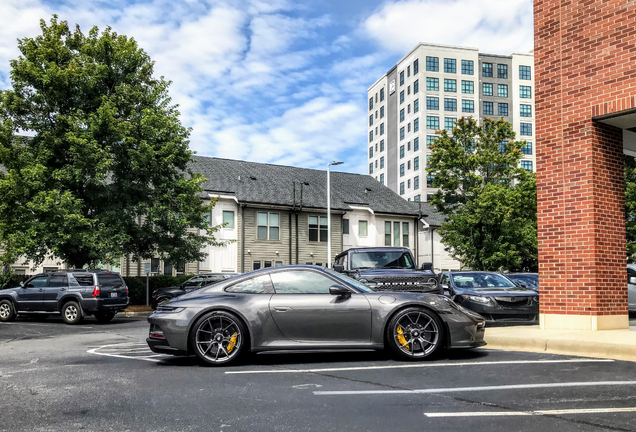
[[486, 89], [502, 90], [401, 133], [408, 148], [370, 152], [371, 120], [401, 152], [416, 66], [381, 145], [525, 92], [432, 122], [382, 162], [449, 123], [317, 232], [526, 129], [527, 148], [486, 69], [401, 170], [402, 96], [371, 168], [488, 108], [345, 226], [228, 218], [208, 218], [429, 180], [450, 85], [405, 234], [402, 188], [432, 103], [256, 265], [468, 87], [381, 112], [432, 64], [416, 86], [502, 71], [502, 147], [467, 67], [408, 184], [268, 227], [416, 105], [396, 233], [402, 78], [468, 106], [381, 128], [502, 109], [416, 197], [526, 165], [382, 178], [370, 136], [387, 233], [416, 183], [416, 144], [362, 228], [381, 94], [525, 73], [450, 104], [402, 115], [416, 163], [525, 110], [416, 125], [408, 90], [432, 84], [376, 163], [430, 139], [450, 65]]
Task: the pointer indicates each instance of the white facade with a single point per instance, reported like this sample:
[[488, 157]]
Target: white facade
[[223, 258]]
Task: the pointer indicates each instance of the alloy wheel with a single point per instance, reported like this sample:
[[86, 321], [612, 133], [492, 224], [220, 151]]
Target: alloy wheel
[[218, 339], [70, 313], [5, 311], [416, 334]]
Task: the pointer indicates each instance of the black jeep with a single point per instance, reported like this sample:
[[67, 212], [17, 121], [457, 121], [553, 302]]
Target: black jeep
[[387, 269]]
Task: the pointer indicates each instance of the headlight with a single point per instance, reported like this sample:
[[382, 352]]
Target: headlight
[[535, 299], [364, 281], [169, 309], [477, 299]]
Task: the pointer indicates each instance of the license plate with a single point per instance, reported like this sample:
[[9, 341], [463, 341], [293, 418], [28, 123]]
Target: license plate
[[113, 294]]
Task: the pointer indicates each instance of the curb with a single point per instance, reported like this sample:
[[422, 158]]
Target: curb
[[580, 348]]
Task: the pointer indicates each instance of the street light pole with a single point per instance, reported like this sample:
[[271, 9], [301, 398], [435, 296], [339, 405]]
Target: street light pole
[[329, 264]]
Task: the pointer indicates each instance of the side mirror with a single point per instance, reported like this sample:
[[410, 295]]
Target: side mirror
[[427, 266], [445, 286], [339, 290], [632, 280], [338, 267], [22, 284]]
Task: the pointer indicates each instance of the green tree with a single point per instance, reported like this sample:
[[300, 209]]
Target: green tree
[[105, 170], [490, 204], [630, 207]]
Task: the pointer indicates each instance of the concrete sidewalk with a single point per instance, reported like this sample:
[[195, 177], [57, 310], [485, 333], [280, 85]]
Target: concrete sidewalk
[[610, 344]]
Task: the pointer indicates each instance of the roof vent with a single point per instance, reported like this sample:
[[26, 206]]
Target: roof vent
[[252, 178], [366, 189]]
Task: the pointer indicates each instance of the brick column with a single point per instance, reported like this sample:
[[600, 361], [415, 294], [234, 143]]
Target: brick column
[[585, 56]]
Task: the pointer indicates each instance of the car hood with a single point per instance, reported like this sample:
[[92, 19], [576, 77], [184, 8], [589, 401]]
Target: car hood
[[507, 292], [9, 290], [387, 272]]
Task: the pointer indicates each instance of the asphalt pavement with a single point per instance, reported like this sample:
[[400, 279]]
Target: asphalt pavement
[[96, 377]]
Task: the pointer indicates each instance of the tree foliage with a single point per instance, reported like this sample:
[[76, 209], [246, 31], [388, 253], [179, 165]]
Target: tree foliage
[[630, 207], [490, 204], [105, 170]]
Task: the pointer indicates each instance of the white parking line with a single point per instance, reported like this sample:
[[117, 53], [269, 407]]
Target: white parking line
[[530, 413], [420, 365], [120, 350], [474, 389]]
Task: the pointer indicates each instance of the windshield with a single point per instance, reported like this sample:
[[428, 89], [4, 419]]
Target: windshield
[[481, 280], [356, 284], [381, 259], [532, 281]]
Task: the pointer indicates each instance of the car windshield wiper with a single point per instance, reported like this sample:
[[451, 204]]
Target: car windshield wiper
[[395, 267]]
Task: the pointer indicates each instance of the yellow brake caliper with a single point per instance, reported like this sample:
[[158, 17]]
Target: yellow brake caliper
[[232, 342], [402, 339]]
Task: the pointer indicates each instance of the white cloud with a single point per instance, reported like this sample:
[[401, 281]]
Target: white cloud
[[493, 26]]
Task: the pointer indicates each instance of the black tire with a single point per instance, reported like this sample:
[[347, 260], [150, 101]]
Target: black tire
[[415, 333], [7, 311], [218, 338], [72, 313], [104, 317]]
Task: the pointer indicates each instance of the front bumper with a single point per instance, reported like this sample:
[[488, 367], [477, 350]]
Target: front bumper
[[496, 313], [466, 328]]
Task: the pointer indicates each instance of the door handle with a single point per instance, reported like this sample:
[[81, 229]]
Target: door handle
[[282, 308], [62, 289], [40, 290]]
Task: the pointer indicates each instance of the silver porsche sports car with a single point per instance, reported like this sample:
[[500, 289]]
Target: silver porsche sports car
[[308, 307]]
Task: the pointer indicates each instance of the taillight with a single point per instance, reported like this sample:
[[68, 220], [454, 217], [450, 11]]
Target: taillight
[[96, 291]]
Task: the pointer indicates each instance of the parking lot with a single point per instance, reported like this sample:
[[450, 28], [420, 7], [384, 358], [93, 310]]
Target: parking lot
[[97, 377]]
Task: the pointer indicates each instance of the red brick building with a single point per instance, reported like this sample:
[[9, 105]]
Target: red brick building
[[585, 75]]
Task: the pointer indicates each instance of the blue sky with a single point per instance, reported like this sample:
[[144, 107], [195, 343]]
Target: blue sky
[[273, 80]]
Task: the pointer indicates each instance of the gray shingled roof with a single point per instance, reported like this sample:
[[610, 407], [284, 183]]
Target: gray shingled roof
[[273, 184]]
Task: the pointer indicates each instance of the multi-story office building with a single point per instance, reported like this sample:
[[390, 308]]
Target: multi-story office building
[[428, 90]]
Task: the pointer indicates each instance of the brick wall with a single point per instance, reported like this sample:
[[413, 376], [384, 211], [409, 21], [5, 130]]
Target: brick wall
[[585, 65]]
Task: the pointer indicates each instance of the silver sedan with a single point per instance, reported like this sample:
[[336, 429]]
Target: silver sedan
[[308, 308]]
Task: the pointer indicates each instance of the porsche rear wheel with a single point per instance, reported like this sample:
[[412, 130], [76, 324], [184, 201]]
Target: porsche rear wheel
[[218, 338], [415, 333]]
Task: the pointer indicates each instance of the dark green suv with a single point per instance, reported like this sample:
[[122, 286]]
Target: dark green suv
[[73, 293]]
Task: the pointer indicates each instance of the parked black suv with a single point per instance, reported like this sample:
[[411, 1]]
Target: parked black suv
[[164, 295], [387, 269], [73, 293]]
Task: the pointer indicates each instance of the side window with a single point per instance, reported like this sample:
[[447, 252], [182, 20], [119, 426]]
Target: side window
[[84, 279], [194, 282], [445, 279], [58, 281], [38, 282], [257, 285], [301, 282]]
